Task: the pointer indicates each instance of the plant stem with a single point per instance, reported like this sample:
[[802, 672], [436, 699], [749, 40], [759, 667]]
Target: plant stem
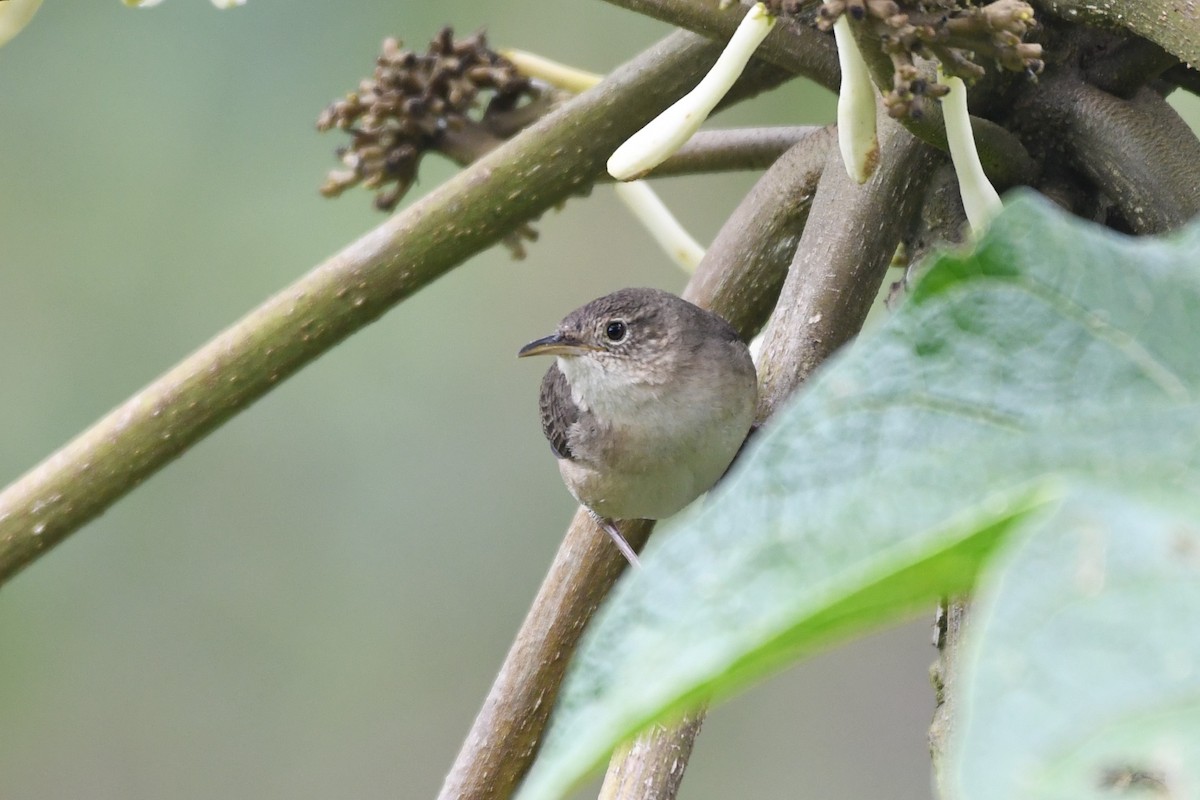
[[1172, 25], [949, 628], [732, 149], [721, 150], [508, 729], [1139, 152], [760, 236], [795, 47], [841, 260], [652, 766], [470, 212]]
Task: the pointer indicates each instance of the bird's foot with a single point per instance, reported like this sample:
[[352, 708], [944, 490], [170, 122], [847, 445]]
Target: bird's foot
[[611, 529]]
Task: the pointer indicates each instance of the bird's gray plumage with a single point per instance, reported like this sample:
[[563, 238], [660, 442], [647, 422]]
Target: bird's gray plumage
[[644, 424]]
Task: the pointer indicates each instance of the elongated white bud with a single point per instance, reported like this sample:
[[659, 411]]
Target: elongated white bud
[[667, 231], [856, 107], [980, 199], [558, 75], [667, 132], [15, 15]]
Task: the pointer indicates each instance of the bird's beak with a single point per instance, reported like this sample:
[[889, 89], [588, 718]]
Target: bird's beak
[[556, 344]]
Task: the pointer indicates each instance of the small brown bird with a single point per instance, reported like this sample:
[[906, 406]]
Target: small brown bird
[[646, 405]]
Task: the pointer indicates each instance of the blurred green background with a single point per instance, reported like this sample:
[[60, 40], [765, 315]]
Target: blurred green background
[[313, 602]]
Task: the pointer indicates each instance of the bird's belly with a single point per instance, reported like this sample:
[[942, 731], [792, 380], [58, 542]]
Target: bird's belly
[[655, 492]]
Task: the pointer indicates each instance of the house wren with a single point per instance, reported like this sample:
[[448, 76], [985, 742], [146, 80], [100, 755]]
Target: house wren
[[646, 405]]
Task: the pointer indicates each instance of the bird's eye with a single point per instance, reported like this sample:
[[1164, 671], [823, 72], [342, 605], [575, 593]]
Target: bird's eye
[[615, 331]]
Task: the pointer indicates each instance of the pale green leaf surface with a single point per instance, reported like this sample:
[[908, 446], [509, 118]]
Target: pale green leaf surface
[[1081, 668], [1056, 352]]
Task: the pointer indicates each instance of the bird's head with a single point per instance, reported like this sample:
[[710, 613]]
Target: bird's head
[[628, 331]]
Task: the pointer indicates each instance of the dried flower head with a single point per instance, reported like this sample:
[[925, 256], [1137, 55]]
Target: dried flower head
[[964, 37], [415, 103]]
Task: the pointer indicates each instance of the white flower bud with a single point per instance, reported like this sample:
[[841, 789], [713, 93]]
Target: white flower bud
[[980, 199], [667, 132], [15, 15], [856, 107]]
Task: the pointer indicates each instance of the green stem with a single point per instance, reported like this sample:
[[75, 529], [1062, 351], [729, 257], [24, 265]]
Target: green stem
[[472, 211]]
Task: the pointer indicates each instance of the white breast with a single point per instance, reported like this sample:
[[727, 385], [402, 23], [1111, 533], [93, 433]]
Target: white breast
[[667, 438]]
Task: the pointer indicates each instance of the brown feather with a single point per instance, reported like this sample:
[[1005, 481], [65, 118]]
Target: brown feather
[[559, 411]]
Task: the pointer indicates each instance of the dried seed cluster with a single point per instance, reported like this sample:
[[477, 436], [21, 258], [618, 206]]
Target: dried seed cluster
[[411, 104], [964, 37]]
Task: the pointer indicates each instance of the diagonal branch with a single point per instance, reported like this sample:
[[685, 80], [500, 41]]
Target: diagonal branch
[[508, 729], [739, 278], [470, 212], [840, 263]]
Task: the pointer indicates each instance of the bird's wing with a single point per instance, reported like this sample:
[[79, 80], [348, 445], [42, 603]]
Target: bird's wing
[[559, 411]]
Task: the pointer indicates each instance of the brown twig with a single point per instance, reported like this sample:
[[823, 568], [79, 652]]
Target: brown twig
[[722, 150], [732, 149], [652, 766], [755, 245], [508, 729]]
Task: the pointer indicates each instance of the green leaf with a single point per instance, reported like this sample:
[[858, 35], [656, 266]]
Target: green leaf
[[1055, 353], [1081, 666]]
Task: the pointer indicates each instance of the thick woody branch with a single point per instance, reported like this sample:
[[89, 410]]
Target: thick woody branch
[[508, 729], [469, 213], [1139, 152], [851, 235], [744, 268], [1172, 25]]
